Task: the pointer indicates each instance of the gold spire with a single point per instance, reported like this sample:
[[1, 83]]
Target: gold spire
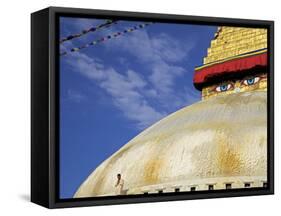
[[233, 41]]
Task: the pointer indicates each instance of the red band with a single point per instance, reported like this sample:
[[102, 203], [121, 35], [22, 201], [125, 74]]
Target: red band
[[235, 65]]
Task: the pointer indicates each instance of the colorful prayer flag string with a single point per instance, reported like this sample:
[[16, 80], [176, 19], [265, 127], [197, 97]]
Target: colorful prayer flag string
[[86, 31], [108, 37]]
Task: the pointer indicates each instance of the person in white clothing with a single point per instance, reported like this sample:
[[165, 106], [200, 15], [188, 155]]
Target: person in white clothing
[[119, 185]]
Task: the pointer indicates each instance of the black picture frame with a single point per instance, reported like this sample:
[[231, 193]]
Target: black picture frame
[[45, 105]]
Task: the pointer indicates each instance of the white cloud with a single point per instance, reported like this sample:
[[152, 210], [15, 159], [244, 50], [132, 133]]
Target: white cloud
[[75, 96], [125, 90], [169, 49], [143, 100], [126, 94], [159, 53], [163, 76], [135, 79]]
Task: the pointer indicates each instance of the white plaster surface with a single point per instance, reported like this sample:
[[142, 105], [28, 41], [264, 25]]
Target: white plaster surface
[[219, 140]]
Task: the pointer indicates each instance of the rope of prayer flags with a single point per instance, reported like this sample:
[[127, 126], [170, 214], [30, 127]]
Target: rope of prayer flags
[[108, 37], [86, 31]]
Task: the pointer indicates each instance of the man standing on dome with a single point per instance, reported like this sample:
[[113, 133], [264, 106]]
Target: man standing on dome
[[119, 185]]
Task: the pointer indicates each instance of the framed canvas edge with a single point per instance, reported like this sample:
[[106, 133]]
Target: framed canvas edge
[[54, 202]]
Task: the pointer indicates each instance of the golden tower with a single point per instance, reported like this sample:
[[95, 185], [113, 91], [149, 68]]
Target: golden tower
[[236, 62]]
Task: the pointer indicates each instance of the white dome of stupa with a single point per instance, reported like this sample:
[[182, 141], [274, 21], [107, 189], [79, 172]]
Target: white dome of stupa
[[218, 141]]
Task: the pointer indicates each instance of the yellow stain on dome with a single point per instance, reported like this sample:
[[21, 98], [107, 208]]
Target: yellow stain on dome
[[151, 171], [228, 158]]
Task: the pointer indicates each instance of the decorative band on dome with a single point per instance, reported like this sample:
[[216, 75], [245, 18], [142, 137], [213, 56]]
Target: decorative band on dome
[[233, 65]]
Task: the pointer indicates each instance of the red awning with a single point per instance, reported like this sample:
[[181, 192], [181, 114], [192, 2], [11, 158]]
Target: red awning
[[234, 65]]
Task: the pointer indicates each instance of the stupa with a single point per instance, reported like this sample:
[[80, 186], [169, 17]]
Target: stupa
[[217, 143]]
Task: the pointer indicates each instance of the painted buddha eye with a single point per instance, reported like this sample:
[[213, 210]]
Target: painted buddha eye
[[251, 81], [223, 87]]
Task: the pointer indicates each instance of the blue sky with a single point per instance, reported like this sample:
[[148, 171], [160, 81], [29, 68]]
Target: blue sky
[[112, 91]]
